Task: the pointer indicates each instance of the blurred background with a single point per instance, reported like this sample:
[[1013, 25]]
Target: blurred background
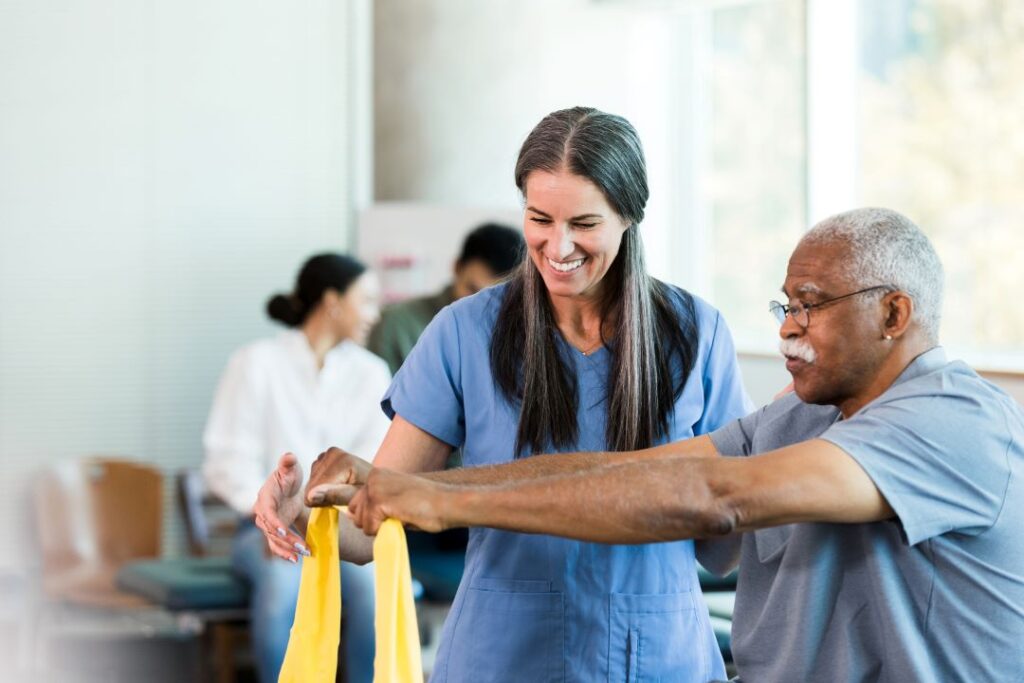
[[166, 166]]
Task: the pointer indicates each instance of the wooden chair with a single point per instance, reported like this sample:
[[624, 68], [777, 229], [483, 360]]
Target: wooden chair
[[94, 515], [201, 587]]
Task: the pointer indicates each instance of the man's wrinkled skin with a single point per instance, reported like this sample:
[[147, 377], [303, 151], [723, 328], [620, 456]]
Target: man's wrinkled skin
[[338, 471]]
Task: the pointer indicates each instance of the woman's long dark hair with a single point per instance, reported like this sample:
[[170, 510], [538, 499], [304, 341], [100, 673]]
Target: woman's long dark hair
[[654, 347]]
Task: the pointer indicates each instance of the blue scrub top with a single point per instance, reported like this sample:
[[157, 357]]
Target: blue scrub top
[[539, 608]]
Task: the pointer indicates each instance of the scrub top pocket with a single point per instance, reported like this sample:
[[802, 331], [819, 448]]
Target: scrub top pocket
[[509, 630], [655, 638]]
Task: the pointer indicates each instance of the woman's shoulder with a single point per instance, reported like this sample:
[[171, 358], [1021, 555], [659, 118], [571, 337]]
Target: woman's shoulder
[[256, 361], [362, 357], [351, 360], [263, 351], [692, 308]]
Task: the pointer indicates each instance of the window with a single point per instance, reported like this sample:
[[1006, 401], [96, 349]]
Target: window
[[940, 138], [755, 192], [815, 106]]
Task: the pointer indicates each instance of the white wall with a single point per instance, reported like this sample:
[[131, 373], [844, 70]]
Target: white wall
[[458, 84], [165, 167]]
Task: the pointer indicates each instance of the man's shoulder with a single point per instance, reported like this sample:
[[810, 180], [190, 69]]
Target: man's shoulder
[[952, 386]]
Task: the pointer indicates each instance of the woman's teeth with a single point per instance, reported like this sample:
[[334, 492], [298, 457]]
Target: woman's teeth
[[566, 266]]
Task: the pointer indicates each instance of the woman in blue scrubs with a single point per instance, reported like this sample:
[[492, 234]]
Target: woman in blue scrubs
[[581, 350]]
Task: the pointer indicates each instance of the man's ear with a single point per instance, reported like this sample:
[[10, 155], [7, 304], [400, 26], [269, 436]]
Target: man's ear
[[899, 312]]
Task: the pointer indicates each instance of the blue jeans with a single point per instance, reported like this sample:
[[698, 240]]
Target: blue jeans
[[275, 589]]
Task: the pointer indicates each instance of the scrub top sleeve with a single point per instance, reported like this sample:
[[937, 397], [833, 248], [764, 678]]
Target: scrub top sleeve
[[725, 399], [736, 438], [941, 461], [427, 389]]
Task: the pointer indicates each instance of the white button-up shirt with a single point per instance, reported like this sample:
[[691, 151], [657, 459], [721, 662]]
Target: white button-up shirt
[[273, 399]]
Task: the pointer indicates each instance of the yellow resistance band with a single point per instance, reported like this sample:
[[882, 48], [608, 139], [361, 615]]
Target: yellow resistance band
[[398, 636], [312, 655]]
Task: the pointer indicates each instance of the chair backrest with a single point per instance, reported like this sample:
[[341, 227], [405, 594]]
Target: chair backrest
[[190, 498], [209, 522], [98, 511]]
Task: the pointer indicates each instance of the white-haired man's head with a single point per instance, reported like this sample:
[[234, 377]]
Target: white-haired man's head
[[884, 247]]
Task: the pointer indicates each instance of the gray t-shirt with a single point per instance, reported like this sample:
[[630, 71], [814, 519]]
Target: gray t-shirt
[[936, 594]]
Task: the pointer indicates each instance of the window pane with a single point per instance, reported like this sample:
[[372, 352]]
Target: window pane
[[941, 140], [757, 188]]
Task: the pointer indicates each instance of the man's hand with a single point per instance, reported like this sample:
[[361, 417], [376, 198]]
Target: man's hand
[[278, 505], [408, 498], [335, 478]]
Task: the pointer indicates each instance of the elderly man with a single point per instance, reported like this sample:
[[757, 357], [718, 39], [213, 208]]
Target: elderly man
[[881, 505]]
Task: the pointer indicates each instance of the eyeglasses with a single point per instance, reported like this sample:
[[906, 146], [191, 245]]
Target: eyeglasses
[[801, 313]]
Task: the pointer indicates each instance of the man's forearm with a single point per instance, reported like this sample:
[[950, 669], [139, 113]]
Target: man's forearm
[[676, 498], [539, 466], [635, 502]]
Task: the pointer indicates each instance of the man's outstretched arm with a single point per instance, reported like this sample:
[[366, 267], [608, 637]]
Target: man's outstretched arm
[[324, 488], [540, 466], [642, 501]]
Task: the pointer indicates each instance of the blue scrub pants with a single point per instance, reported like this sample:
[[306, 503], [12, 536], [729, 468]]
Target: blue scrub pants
[[275, 589]]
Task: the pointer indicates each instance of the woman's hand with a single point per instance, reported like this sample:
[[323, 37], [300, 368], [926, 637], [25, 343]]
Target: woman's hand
[[278, 505], [336, 476], [417, 501]]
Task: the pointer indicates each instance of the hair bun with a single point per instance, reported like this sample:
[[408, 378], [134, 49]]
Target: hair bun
[[286, 309]]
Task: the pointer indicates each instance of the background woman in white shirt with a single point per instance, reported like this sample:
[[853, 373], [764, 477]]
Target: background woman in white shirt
[[310, 387]]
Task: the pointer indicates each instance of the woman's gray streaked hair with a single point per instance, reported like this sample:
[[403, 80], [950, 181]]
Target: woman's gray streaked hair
[[887, 248], [649, 334]]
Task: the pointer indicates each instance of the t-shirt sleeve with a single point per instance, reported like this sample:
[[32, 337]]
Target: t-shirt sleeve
[[427, 389], [725, 398], [737, 437], [940, 460]]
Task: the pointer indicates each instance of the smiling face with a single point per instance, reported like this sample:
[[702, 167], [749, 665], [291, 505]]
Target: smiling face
[[838, 355], [572, 233]]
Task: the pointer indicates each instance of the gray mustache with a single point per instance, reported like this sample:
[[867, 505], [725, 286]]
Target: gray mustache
[[797, 349]]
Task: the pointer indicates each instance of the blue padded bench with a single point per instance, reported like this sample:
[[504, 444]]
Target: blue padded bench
[[189, 583]]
